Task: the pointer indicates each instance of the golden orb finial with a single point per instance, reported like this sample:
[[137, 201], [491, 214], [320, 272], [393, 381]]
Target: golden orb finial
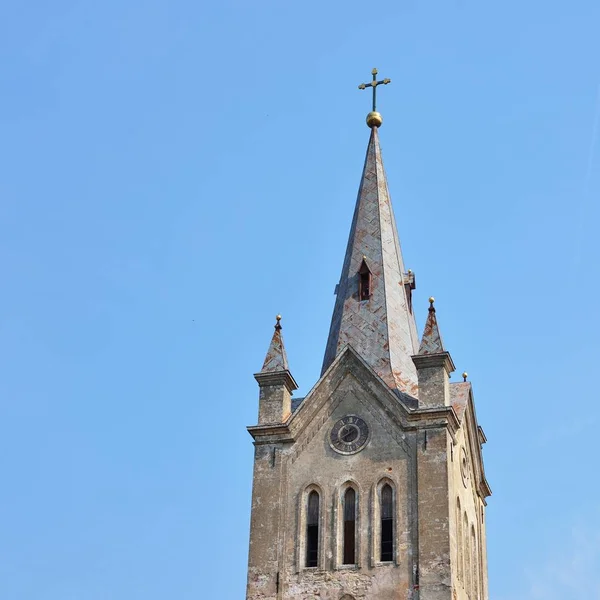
[[278, 317], [465, 375], [431, 299], [374, 119]]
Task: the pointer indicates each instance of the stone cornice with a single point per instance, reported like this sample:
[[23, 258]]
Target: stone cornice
[[429, 418], [482, 437], [425, 361], [270, 433], [277, 378], [484, 488]]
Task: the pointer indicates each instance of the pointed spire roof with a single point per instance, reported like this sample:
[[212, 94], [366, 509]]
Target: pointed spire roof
[[276, 359], [431, 343], [381, 326]]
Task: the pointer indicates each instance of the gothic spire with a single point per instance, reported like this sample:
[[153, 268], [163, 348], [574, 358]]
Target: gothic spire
[[431, 342], [373, 309], [276, 359]]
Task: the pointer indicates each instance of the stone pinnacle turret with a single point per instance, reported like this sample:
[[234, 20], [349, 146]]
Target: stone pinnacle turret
[[275, 381]]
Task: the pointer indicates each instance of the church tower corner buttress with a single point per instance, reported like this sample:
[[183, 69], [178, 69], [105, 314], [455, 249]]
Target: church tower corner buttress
[[372, 487]]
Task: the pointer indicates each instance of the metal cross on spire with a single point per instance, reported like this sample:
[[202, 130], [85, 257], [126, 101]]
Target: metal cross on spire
[[374, 84]]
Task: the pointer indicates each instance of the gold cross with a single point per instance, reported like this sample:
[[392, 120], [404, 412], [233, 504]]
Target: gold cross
[[374, 84]]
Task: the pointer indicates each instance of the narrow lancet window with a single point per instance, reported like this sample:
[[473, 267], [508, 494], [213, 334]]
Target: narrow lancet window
[[312, 530], [350, 527], [467, 556], [459, 540], [387, 524], [474, 577], [364, 282]]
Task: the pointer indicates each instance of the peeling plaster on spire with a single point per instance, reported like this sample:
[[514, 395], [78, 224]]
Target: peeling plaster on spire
[[432, 339], [276, 359], [381, 329]]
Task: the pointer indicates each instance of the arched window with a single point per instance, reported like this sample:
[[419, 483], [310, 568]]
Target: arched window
[[349, 527], [387, 524], [474, 578], [312, 529], [459, 541], [467, 555]]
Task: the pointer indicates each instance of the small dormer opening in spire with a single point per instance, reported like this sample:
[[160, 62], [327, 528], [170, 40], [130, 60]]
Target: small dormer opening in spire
[[409, 286], [364, 282]]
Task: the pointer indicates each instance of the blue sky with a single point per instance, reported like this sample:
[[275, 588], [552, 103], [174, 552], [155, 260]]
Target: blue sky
[[176, 173]]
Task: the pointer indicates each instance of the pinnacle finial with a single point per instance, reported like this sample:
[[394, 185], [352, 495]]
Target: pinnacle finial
[[465, 375], [374, 119], [278, 324], [431, 342]]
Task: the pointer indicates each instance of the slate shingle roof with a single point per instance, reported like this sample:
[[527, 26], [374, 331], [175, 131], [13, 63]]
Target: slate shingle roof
[[381, 329]]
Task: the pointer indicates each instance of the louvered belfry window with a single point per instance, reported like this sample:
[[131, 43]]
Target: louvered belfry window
[[312, 530], [387, 524], [350, 527]]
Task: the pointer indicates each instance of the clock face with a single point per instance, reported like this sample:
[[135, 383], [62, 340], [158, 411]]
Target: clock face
[[349, 435]]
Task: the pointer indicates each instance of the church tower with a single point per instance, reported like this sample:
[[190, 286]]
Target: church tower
[[371, 487]]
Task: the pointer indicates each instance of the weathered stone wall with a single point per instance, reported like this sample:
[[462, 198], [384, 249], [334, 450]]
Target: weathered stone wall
[[387, 457], [431, 466], [433, 387], [434, 537], [263, 561], [469, 566], [275, 403]]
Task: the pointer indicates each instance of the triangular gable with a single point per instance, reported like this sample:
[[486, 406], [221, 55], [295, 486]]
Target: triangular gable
[[348, 362], [459, 397], [463, 404]]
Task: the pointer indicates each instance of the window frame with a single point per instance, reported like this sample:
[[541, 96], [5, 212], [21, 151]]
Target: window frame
[[339, 523], [459, 542], [312, 536], [376, 523], [386, 523], [301, 539]]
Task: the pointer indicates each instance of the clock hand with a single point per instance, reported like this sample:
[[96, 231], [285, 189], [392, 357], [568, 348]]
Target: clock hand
[[348, 434]]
